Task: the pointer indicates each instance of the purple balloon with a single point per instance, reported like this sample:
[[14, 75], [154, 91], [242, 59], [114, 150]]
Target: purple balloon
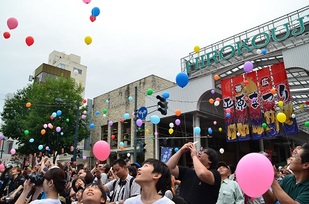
[[110, 123], [83, 116], [177, 122], [58, 129], [248, 66], [213, 91], [1, 137], [139, 122]]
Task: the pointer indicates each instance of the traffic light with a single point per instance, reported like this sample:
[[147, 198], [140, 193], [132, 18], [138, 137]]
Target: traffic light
[[162, 105]]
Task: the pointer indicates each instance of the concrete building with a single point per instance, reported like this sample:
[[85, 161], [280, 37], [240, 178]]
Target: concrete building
[[114, 121]]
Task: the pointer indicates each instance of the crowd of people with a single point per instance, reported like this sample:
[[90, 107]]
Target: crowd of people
[[208, 181]]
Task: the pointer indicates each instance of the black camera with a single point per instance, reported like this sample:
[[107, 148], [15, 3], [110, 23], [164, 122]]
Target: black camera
[[37, 179]]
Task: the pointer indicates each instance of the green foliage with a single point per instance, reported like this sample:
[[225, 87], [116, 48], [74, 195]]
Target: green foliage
[[44, 99]]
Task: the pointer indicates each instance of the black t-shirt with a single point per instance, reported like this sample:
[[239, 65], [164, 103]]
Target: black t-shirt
[[194, 190]]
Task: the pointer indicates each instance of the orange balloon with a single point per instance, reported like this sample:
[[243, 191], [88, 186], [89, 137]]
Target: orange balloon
[[28, 105], [178, 112], [273, 90], [216, 77], [43, 131], [121, 147], [211, 101]]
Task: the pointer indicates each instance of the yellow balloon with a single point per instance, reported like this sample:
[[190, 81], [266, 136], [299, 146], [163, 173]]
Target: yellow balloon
[[280, 103], [147, 131], [281, 117], [88, 40], [301, 106], [220, 129], [170, 131], [197, 49]]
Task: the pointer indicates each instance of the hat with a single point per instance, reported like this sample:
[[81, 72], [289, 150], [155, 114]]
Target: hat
[[222, 163], [136, 164]]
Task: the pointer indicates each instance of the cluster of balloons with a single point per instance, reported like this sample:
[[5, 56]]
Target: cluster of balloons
[[12, 23], [263, 51]]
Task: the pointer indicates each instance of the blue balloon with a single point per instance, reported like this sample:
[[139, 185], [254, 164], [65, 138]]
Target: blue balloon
[[264, 51], [228, 115], [95, 11], [126, 116], [61, 133], [54, 114], [209, 130], [197, 130], [182, 79], [91, 126], [31, 140], [176, 149], [59, 112], [121, 144], [97, 112], [130, 98], [106, 101], [165, 95], [155, 119], [40, 147]]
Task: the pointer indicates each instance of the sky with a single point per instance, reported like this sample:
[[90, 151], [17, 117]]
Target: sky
[[132, 39]]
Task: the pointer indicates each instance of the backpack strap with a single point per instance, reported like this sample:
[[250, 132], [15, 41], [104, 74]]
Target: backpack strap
[[112, 197], [131, 181]]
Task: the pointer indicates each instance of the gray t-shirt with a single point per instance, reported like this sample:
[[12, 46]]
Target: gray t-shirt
[[46, 201]]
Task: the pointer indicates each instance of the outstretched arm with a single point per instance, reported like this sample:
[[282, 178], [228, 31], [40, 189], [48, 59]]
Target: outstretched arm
[[173, 161]]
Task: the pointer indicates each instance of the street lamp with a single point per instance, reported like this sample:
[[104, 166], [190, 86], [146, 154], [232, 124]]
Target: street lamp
[[76, 127]]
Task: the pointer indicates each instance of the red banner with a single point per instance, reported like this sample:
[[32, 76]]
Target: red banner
[[229, 112], [284, 95], [254, 101], [268, 102], [241, 111]]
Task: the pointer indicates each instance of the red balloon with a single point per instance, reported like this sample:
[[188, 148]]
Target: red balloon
[[84, 101], [113, 137], [29, 40], [6, 35], [92, 18]]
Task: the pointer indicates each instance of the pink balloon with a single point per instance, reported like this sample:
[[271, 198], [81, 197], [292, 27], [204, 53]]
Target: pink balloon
[[228, 110], [86, 1], [139, 122], [101, 150], [177, 122], [255, 174], [12, 23], [1, 167], [13, 151]]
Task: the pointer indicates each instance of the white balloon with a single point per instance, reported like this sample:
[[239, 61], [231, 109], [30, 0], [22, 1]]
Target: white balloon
[[75, 72], [128, 154], [238, 134], [258, 51], [216, 103], [171, 125], [293, 115], [221, 150]]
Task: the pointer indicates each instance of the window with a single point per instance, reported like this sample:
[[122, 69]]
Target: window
[[61, 65]]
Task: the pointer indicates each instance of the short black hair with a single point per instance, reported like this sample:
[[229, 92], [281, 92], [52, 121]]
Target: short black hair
[[120, 162], [164, 182], [213, 157], [58, 176], [100, 188]]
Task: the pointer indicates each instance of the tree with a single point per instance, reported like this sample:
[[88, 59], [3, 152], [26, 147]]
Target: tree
[[35, 127]]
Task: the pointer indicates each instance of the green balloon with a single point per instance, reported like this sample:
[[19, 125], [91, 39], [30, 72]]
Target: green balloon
[[153, 137], [307, 123], [26, 132], [149, 92], [104, 111], [68, 120], [264, 125]]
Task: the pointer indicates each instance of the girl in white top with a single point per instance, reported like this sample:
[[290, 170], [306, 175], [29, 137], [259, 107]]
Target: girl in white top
[[53, 184], [153, 177]]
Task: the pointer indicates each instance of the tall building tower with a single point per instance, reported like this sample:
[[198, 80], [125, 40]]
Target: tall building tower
[[70, 63]]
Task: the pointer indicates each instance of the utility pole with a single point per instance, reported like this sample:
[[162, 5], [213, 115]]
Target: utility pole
[[135, 118], [76, 131]]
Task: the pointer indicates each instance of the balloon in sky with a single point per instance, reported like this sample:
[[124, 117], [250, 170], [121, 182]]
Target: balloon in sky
[[12, 23], [29, 40], [86, 1], [92, 18], [6, 35], [95, 11], [88, 40], [182, 79]]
